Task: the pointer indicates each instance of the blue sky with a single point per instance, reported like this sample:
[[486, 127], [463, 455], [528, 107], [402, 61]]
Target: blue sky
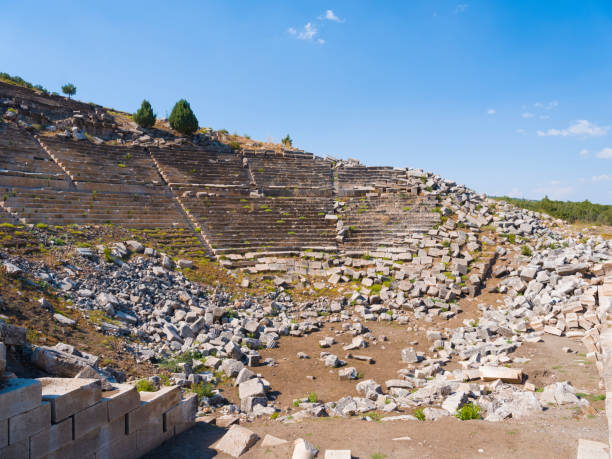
[[508, 97]]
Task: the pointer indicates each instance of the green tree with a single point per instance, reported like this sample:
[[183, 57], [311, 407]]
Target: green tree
[[145, 117], [182, 118], [287, 141], [69, 89]]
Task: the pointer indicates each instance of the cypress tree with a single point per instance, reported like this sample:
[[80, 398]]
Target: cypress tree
[[144, 117], [182, 118]]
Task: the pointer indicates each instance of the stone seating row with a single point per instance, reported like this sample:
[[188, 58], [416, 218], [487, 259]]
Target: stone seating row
[[88, 162], [198, 166], [55, 207]]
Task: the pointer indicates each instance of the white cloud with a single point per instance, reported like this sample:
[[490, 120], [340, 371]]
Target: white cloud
[[330, 16], [521, 131], [308, 33], [584, 153], [606, 153], [601, 178], [582, 128], [527, 115], [461, 7], [547, 105], [491, 111]]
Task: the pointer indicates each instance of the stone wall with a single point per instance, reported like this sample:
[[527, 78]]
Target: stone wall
[[73, 418]]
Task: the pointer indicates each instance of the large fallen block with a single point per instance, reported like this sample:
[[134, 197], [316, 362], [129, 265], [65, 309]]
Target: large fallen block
[[58, 363], [236, 441], [18, 396], [69, 395], [12, 335], [509, 375]]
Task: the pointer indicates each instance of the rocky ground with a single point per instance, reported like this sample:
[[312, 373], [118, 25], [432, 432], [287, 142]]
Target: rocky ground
[[507, 368]]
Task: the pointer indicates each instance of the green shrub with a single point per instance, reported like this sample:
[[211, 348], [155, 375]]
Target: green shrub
[[202, 390], [182, 118], [419, 414], [313, 398], [69, 89], [287, 141], [525, 250], [144, 117], [144, 385], [468, 411]]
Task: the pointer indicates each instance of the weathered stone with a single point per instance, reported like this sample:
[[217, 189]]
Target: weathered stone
[[236, 441], [304, 450], [19, 396], [69, 396]]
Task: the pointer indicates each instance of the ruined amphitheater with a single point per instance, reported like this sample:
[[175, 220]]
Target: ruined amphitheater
[[213, 296]]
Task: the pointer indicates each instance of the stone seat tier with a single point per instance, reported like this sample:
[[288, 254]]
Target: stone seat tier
[[88, 162], [199, 166], [20, 155], [68, 207]]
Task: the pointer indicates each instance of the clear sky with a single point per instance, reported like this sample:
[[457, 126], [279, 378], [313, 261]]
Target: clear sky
[[508, 97]]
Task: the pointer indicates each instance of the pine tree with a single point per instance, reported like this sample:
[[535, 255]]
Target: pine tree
[[69, 89], [145, 117], [287, 140], [182, 118]]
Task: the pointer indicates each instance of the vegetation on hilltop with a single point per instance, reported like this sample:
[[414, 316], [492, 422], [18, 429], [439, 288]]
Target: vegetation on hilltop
[[18, 81], [145, 117], [572, 212], [287, 141], [182, 118]]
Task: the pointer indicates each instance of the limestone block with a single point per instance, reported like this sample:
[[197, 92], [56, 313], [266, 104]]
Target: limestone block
[[26, 424], [124, 447], [56, 362], [152, 407], [18, 396], [152, 435], [122, 400], [15, 451], [338, 454], [251, 388], [270, 440], [182, 416], [90, 419], [236, 441], [51, 439], [11, 334], [4, 434], [304, 450], [509, 375], [70, 395]]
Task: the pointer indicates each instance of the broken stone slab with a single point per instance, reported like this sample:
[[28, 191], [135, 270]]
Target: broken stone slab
[[509, 375], [90, 372], [58, 363], [589, 449], [409, 355], [304, 450], [271, 440], [347, 373], [399, 383], [567, 270], [402, 417], [455, 401], [63, 319], [236, 441], [338, 454], [13, 335]]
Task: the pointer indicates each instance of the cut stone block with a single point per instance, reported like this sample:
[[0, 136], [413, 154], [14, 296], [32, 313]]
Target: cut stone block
[[4, 434], [152, 435], [251, 388], [122, 400], [304, 450], [26, 424], [236, 441], [409, 355], [18, 396], [90, 419], [509, 375], [152, 406], [182, 416], [589, 449], [51, 439], [16, 451], [338, 454], [56, 362], [70, 395]]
